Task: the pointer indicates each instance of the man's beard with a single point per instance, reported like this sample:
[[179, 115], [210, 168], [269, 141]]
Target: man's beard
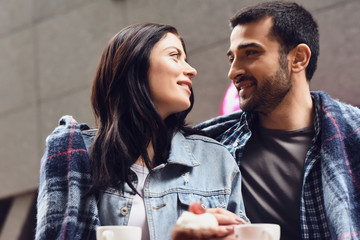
[[272, 91]]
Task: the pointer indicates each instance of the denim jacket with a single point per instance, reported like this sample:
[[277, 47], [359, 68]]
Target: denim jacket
[[199, 169]]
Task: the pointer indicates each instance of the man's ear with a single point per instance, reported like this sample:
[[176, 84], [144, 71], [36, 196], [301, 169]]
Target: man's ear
[[300, 57]]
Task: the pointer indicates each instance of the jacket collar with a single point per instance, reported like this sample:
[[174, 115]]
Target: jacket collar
[[181, 152]]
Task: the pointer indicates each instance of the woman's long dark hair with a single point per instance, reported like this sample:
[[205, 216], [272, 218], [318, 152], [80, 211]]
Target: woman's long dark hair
[[125, 115]]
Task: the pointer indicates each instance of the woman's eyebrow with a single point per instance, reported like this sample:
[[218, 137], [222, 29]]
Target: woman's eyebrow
[[174, 48]]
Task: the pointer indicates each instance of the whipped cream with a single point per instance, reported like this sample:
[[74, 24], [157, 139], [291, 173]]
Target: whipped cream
[[197, 221]]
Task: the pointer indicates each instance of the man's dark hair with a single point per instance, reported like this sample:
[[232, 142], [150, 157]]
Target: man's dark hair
[[292, 25]]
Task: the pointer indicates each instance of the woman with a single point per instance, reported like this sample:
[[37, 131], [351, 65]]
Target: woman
[[145, 165]]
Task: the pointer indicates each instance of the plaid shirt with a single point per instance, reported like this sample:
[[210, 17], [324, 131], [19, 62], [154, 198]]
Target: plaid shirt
[[330, 199], [65, 209]]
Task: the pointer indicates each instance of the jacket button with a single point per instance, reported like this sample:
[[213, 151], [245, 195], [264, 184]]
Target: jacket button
[[124, 211]]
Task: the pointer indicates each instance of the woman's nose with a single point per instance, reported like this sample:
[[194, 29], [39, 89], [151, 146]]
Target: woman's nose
[[190, 71]]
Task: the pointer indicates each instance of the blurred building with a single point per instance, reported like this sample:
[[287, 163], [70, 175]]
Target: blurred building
[[49, 50]]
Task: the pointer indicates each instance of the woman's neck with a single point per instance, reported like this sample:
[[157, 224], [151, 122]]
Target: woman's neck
[[150, 151]]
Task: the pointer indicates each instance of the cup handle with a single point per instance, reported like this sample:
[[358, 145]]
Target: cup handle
[[108, 235]]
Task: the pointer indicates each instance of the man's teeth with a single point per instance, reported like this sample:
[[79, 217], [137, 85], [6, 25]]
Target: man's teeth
[[245, 86]]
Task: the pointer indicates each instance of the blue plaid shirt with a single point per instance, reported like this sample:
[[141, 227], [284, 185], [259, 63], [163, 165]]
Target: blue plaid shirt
[[330, 199]]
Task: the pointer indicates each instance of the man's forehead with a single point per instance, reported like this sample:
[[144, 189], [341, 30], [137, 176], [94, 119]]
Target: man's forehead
[[254, 32], [260, 27]]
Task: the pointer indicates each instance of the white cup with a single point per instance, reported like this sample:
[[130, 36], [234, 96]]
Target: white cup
[[257, 231], [118, 233]]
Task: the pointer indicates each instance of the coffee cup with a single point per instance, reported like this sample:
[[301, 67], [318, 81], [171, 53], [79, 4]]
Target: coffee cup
[[257, 231], [118, 233]]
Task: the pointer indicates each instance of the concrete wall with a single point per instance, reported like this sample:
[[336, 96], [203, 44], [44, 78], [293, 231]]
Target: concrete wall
[[49, 50]]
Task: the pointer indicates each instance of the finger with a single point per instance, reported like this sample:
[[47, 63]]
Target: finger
[[180, 233], [224, 233], [229, 237], [220, 211], [225, 217]]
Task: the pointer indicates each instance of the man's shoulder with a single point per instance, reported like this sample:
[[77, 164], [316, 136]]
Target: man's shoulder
[[336, 108], [220, 120], [216, 126], [337, 117]]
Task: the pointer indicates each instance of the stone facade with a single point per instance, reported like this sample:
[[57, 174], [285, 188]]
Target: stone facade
[[49, 52]]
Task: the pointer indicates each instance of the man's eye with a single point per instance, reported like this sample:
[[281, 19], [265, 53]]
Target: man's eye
[[231, 59], [251, 52]]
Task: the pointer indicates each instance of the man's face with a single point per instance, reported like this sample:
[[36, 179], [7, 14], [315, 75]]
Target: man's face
[[258, 70]]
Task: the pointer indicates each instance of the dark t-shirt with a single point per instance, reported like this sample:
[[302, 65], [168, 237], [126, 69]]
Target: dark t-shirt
[[272, 174]]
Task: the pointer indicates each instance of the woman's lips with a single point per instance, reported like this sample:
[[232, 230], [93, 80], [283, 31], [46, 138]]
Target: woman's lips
[[186, 85]]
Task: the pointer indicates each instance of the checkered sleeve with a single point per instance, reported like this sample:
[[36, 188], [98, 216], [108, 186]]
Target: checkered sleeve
[[312, 212], [65, 209]]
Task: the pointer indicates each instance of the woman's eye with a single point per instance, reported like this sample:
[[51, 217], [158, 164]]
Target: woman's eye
[[176, 55]]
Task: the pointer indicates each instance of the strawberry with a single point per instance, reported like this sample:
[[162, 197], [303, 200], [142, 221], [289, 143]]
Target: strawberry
[[196, 208]]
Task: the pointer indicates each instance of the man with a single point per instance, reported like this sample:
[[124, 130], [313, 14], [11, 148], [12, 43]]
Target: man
[[299, 151]]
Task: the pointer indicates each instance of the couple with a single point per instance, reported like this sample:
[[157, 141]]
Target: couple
[[297, 150]]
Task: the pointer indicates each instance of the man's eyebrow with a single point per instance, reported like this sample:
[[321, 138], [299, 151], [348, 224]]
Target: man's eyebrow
[[242, 46]]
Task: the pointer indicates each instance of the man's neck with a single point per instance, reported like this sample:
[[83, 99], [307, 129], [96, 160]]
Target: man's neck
[[296, 111]]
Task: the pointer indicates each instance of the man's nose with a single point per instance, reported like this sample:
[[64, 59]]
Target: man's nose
[[236, 71]]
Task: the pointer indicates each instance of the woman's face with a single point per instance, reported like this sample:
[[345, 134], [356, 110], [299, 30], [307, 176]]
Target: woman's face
[[170, 76]]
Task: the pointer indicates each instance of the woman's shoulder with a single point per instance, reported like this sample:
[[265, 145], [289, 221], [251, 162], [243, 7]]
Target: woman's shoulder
[[207, 145], [211, 152], [201, 139]]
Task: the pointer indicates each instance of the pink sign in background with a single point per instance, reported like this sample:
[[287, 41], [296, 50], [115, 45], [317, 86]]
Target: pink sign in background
[[230, 102]]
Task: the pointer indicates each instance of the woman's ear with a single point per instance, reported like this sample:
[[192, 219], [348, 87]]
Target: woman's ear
[[300, 57]]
